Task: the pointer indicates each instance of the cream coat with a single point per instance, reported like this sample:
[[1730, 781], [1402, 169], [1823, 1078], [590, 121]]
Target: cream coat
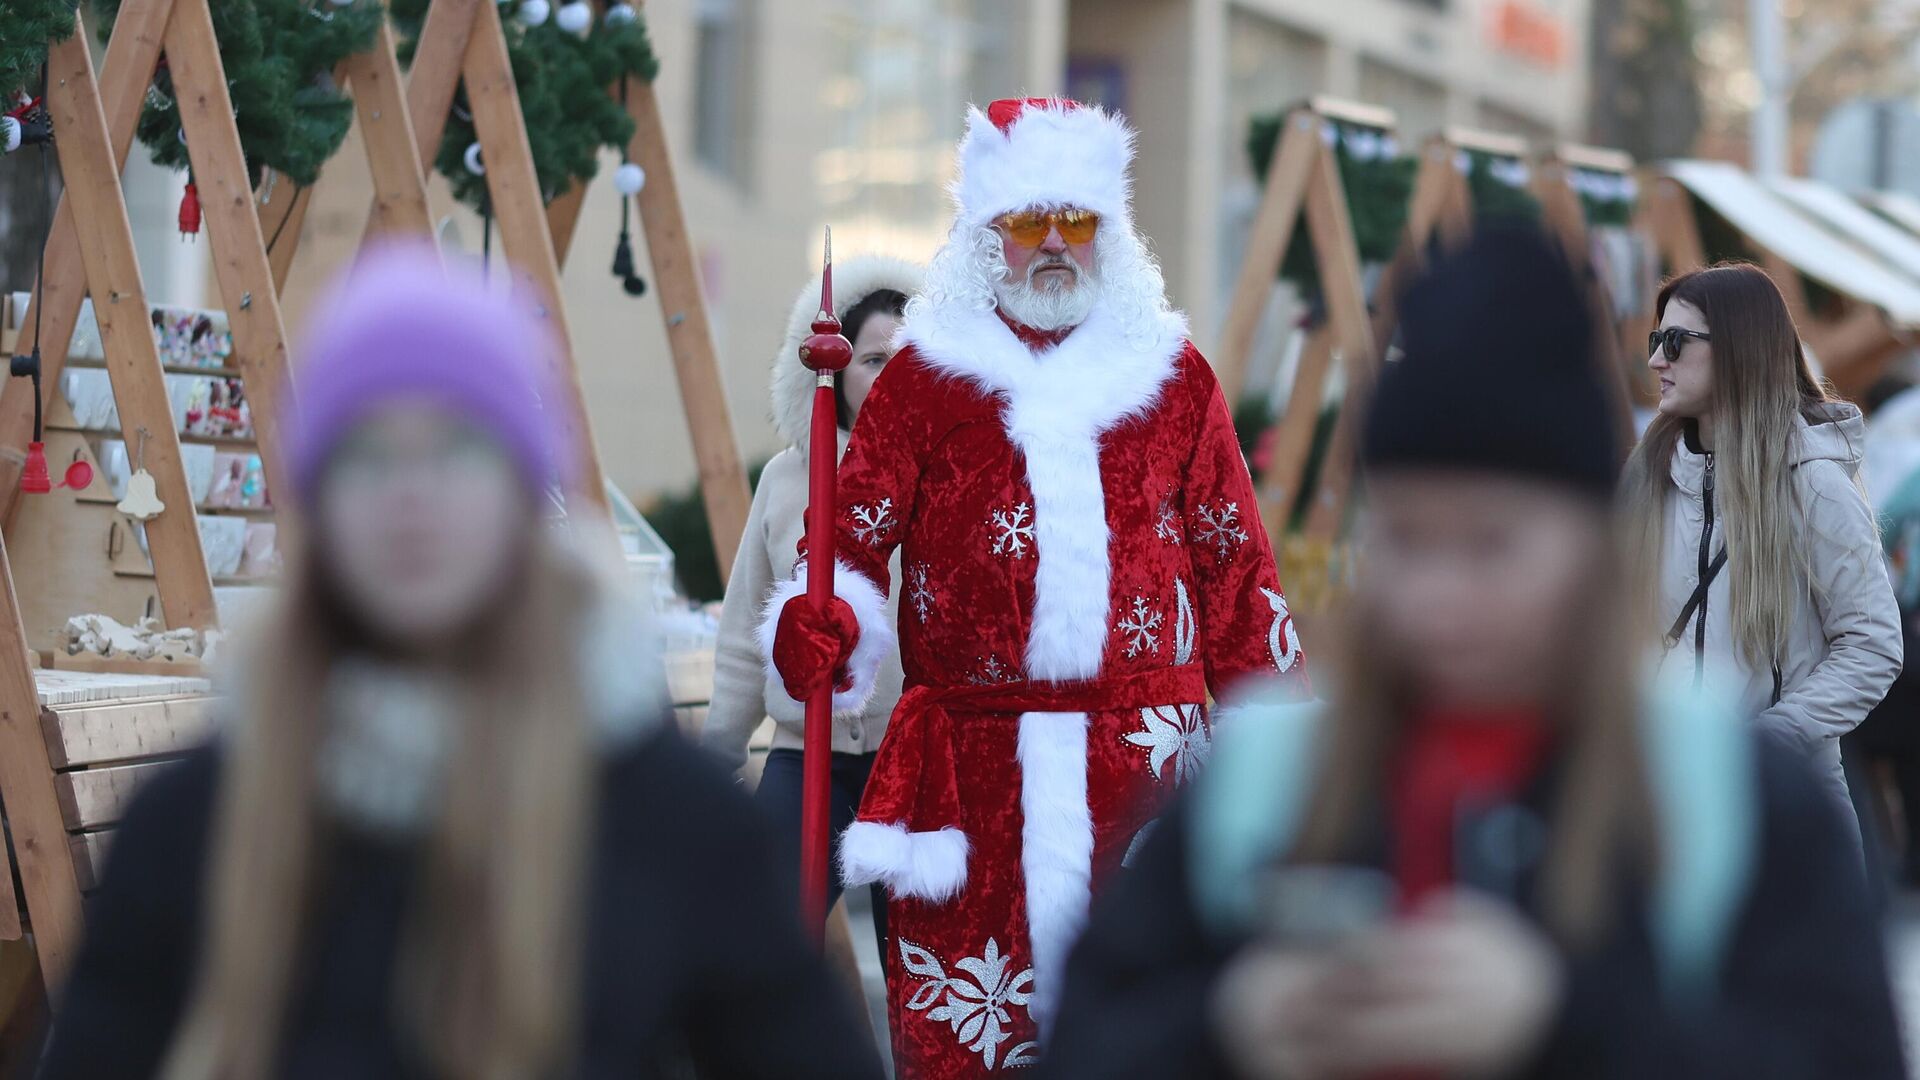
[[744, 693], [1843, 648]]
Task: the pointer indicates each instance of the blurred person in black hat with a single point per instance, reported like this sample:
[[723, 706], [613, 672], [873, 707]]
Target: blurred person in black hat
[[1497, 850]]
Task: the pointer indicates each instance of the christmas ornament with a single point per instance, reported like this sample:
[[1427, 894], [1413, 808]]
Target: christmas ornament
[[143, 500], [621, 14], [190, 211], [25, 124], [575, 17], [533, 12], [472, 159], [629, 178]]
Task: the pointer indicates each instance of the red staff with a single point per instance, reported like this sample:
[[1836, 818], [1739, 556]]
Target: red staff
[[825, 352]]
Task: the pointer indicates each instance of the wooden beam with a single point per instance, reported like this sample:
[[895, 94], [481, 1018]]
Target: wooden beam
[[1288, 171], [1674, 227], [281, 224], [1566, 220], [563, 218], [233, 227], [129, 63], [105, 242], [434, 76], [514, 193], [47, 879], [723, 482], [1279, 483], [386, 129]]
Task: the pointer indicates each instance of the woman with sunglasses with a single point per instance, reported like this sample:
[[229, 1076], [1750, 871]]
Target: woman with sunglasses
[[1753, 541]]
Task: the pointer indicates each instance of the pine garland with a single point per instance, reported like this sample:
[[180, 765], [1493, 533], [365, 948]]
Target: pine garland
[[27, 27], [562, 81], [279, 57], [1377, 180], [1498, 187]]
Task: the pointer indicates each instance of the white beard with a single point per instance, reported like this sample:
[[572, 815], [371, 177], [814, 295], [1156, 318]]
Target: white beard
[[1048, 308]]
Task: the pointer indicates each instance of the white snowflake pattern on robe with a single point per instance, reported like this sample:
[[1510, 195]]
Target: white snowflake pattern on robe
[[1166, 523], [991, 671], [1219, 527], [1176, 733], [1141, 626], [979, 992], [1012, 530], [920, 595], [872, 523]]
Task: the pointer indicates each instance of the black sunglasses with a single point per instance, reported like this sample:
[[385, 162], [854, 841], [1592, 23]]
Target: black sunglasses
[[1671, 339]]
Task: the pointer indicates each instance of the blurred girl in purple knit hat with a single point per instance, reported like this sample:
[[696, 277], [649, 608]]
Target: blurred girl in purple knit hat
[[447, 829]]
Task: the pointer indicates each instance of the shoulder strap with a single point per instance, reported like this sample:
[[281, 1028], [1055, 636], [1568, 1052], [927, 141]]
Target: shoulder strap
[[1679, 627]]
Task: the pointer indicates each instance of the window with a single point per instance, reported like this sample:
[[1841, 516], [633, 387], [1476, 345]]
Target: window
[[723, 87]]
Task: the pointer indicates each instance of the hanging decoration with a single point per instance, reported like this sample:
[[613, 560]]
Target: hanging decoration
[[279, 57], [628, 179], [562, 76], [1497, 185], [27, 29], [1378, 182]]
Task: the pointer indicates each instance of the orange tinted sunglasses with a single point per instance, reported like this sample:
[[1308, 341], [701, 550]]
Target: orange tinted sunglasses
[[1029, 228]]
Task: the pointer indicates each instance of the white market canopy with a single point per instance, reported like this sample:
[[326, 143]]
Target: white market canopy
[[1809, 246], [1895, 246], [1897, 205]]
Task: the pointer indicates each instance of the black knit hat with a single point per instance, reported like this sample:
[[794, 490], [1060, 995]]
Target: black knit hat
[[1498, 372]]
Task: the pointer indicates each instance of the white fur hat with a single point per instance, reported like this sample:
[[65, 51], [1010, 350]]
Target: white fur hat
[[854, 280], [1024, 152]]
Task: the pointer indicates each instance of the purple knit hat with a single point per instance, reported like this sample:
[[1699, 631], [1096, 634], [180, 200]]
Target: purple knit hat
[[397, 325]]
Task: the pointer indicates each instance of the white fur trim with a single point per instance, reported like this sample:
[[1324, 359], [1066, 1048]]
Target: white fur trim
[[929, 866], [1057, 407], [854, 280], [1051, 156], [1056, 847], [876, 635], [9, 134]]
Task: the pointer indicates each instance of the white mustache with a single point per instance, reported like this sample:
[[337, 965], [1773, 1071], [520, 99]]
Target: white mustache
[[1061, 261]]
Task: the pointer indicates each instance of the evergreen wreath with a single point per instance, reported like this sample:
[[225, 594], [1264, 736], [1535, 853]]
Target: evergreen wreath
[[1377, 180], [27, 28], [1497, 185], [279, 57], [1607, 198], [562, 76]]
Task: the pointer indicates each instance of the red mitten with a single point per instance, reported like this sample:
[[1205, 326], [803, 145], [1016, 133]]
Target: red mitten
[[809, 646]]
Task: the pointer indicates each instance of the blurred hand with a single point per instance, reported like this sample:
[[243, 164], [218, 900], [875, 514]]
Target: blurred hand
[[1466, 988], [811, 648]]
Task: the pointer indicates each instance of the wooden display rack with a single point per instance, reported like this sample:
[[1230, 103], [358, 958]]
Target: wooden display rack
[[1620, 342], [1302, 178]]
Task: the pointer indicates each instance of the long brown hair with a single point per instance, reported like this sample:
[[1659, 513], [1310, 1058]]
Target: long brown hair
[[1599, 821], [485, 982], [1761, 383]]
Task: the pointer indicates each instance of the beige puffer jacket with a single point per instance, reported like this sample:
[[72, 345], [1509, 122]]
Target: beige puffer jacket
[[744, 693], [1843, 649]]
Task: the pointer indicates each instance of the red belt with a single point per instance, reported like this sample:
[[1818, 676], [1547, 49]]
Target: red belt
[[913, 781]]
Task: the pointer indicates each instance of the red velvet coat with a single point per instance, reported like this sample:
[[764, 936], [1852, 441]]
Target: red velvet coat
[[1083, 564]]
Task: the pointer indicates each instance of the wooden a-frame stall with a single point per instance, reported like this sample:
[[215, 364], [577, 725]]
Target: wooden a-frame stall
[[71, 753]]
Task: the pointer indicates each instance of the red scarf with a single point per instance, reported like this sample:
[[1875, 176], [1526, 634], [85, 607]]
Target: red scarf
[[1034, 340], [1448, 760]]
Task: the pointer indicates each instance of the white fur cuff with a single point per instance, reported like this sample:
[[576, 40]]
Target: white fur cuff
[[924, 865], [9, 134], [876, 642]]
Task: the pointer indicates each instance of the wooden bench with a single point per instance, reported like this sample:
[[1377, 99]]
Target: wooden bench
[[96, 739]]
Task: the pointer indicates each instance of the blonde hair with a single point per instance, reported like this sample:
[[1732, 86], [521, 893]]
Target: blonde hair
[[1761, 384], [1599, 820], [485, 982]]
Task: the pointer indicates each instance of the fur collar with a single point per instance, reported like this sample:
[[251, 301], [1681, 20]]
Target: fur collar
[[853, 281], [1096, 378], [392, 730]]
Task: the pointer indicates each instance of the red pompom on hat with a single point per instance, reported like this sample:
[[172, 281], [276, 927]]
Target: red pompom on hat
[[1029, 152]]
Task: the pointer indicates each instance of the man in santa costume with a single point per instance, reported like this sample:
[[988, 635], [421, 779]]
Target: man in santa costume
[[1082, 565]]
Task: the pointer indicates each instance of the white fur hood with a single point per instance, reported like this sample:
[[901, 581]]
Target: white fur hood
[[854, 280]]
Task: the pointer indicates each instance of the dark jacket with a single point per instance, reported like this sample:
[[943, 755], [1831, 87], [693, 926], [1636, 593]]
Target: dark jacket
[[693, 950], [1804, 991]]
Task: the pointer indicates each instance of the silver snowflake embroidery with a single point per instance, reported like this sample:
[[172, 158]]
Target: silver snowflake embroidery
[[919, 594], [1166, 523], [1283, 642], [979, 992], [1012, 530], [1176, 733], [1141, 625], [872, 523], [1220, 527], [992, 671]]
